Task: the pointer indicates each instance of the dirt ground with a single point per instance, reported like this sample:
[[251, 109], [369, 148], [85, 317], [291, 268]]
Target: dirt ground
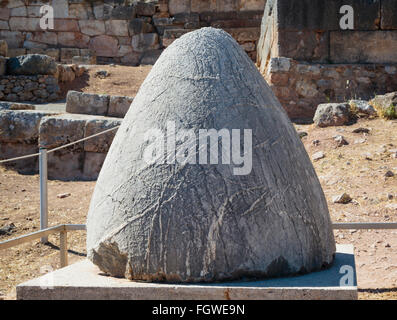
[[120, 80], [343, 170]]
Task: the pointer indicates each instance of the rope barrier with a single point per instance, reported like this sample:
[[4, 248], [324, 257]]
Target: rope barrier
[[61, 147]]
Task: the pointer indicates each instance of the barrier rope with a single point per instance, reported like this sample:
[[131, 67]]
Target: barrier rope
[[60, 147]]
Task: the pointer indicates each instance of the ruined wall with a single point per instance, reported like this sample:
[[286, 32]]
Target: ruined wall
[[122, 31], [328, 64]]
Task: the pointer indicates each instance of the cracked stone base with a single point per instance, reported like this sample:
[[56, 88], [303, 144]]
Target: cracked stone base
[[83, 280]]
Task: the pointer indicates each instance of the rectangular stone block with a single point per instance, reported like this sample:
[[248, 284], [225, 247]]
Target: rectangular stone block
[[363, 47], [14, 38], [388, 14], [244, 34], [21, 126], [93, 162], [58, 130], [319, 15], [119, 105], [68, 53], [13, 150], [304, 45], [102, 142], [87, 103], [24, 24], [84, 281], [15, 52], [65, 165]]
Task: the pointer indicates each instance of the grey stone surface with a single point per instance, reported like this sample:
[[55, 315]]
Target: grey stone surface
[[363, 47], [87, 103], [388, 14], [362, 107], [332, 114], [100, 144], [198, 222], [20, 125], [31, 64], [83, 281], [119, 105]]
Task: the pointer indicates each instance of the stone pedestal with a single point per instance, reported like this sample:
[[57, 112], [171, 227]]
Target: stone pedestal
[[83, 280]]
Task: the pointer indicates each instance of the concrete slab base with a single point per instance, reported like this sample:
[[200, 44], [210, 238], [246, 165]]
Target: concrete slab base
[[83, 280]]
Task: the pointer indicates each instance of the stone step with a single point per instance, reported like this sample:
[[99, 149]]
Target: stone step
[[97, 104], [82, 161], [23, 131]]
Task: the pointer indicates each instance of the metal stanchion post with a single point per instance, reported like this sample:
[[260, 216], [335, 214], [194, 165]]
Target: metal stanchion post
[[43, 192]]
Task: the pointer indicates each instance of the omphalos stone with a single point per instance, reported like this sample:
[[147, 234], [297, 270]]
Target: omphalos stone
[[176, 217]]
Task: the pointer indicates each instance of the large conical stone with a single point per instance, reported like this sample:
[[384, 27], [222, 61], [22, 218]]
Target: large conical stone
[[158, 221]]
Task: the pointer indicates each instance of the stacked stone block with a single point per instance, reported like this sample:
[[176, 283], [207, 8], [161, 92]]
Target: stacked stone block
[[327, 64], [127, 32]]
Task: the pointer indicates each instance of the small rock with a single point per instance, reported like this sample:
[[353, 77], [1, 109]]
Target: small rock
[[390, 196], [392, 206], [302, 134], [332, 114], [389, 174], [340, 141], [7, 230], [359, 141], [343, 199], [63, 195], [362, 107], [361, 130], [318, 155], [367, 156], [387, 245], [101, 74], [315, 142]]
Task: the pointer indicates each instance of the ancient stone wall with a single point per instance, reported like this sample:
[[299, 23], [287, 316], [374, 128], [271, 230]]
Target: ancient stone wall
[[128, 32], [328, 64], [39, 88]]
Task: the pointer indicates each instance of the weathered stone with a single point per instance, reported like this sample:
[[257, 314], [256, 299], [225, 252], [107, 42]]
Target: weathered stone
[[388, 16], [4, 13], [342, 198], [279, 64], [104, 46], [370, 47], [92, 27], [385, 105], [120, 12], [119, 105], [73, 39], [61, 25], [14, 39], [93, 162], [116, 27], [131, 59], [138, 25], [150, 57], [178, 6], [21, 125], [146, 41], [87, 103], [31, 64], [84, 60], [24, 24], [68, 53], [188, 222], [145, 9], [332, 114], [100, 144], [34, 45], [362, 108]]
